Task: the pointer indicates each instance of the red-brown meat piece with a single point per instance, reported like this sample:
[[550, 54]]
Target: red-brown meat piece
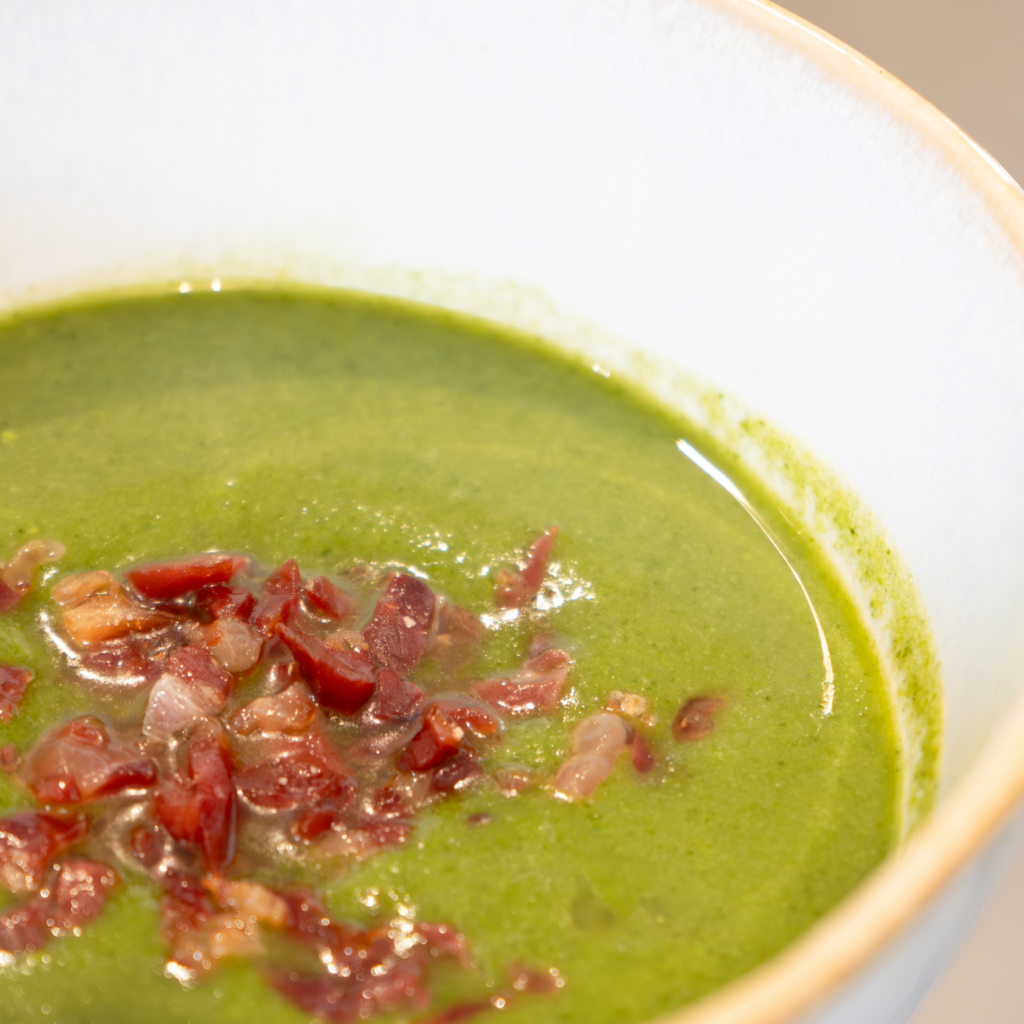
[[523, 698], [514, 588], [197, 666], [281, 592], [395, 697], [78, 762], [221, 601], [168, 580], [696, 719], [327, 598], [439, 738], [210, 767], [79, 893], [13, 682], [29, 841], [341, 680], [23, 929], [297, 772], [397, 633]]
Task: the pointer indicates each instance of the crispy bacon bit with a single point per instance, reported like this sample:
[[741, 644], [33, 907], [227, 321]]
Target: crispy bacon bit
[[14, 680], [221, 601], [102, 617], [514, 588], [695, 719], [17, 574], [526, 979], [301, 772], [643, 759], [195, 665], [78, 762], [395, 698], [168, 580], [29, 840], [439, 738], [327, 598], [342, 681], [291, 711], [250, 900], [73, 590], [524, 698], [79, 894], [235, 644], [596, 742], [24, 928], [397, 633], [209, 763]]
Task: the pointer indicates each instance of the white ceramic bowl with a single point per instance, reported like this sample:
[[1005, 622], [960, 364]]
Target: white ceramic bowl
[[712, 183]]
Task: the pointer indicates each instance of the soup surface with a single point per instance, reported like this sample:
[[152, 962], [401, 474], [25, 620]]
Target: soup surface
[[362, 437]]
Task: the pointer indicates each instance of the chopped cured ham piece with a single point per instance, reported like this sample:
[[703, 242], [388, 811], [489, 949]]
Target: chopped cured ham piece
[[456, 773], [514, 588], [446, 940], [695, 719], [23, 929], [175, 705], [209, 762], [195, 665], [16, 576], [301, 772], [439, 738], [79, 893], [395, 697], [281, 591], [73, 590], [523, 698], [221, 601], [543, 664], [102, 617], [340, 680], [177, 809], [362, 841], [14, 680], [596, 743], [477, 720], [121, 662], [79, 762], [168, 580], [643, 759], [328, 598], [235, 644], [29, 840], [397, 633], [291, 711], [9, 597]]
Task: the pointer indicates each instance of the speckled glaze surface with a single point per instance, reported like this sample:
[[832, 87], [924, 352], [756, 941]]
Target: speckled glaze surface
[[709, 183]]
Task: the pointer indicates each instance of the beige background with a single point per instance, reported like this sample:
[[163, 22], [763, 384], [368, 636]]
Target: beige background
[[966, 57]]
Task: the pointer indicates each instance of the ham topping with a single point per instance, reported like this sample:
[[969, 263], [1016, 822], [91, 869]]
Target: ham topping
[[695, 719], [102, 617], [79, 762], [397, 633], [29, 840], [16, 576], [235, 644], [513, 589], [327, 598], [14, 680], [596, 743], [168, 580], [340, 680], [291, 711]]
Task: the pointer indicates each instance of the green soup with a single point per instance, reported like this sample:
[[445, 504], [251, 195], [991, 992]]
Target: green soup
[[340, 429]]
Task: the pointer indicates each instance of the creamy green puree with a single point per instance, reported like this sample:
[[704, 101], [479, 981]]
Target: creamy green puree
[[336, 428]]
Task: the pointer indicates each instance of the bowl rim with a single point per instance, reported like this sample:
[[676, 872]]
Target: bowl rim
[[967, 819]]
